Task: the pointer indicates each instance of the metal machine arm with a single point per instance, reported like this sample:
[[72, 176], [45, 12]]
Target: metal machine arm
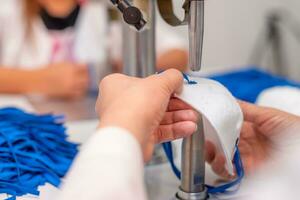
[[192, 164], [194, 17]]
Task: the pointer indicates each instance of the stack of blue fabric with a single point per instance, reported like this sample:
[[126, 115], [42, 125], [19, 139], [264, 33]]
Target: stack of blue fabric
[[247, 84], [33, 151]]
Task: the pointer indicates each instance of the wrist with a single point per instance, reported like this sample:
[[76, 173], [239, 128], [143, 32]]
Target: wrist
[[123, 124]]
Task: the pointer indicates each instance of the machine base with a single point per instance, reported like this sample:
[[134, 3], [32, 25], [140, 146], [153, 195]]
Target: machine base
[[181, 195]]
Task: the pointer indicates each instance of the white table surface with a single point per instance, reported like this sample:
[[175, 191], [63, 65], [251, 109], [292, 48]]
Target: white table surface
[[160, 181], [157, 177]]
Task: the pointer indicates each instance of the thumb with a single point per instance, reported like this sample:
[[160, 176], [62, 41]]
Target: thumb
[[170, 81], [253, 113]]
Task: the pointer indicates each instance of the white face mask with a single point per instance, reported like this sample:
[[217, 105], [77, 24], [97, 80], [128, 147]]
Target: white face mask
[[222, 116]]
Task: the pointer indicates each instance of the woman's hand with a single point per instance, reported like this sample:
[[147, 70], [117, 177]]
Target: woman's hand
[[145, 108], [261, 133], [64, 80], [177, 58]]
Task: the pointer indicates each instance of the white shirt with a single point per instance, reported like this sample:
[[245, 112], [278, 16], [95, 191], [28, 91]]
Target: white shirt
[[94, 37], [109, 166], [18, 50]]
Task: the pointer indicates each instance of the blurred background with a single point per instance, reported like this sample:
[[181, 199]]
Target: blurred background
[[57, 51], [53, 53], [237, 33]]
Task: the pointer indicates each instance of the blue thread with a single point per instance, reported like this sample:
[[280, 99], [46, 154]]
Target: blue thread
[[186, 77], [225, 188], [33, 151]]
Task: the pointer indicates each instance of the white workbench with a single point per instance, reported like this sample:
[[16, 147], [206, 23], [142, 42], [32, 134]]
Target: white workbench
[[160, 181]]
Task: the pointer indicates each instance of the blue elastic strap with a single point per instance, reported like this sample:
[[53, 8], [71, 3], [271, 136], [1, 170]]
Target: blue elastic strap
[[225, 188], [33, 151], [167, 146]]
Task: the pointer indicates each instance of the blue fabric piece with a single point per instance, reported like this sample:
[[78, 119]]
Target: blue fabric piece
[[247, 84], [33, 151]]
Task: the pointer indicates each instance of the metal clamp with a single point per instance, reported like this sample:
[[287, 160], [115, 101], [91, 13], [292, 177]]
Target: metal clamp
[[166, 10]]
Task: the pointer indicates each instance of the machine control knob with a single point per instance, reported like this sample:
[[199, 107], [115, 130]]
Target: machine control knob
[[133, 16]]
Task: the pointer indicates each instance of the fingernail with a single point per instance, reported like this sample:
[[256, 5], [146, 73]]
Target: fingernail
[[231, 176], [196, 127]]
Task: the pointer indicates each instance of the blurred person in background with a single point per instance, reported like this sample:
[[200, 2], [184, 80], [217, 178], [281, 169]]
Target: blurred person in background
[[55, 47]]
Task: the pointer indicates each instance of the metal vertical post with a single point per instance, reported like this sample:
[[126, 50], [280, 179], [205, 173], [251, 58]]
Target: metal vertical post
[[193, 159], [139, 54]]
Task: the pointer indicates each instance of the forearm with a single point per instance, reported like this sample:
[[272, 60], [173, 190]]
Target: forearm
[[109, 166], [175, 58], [19, 81]]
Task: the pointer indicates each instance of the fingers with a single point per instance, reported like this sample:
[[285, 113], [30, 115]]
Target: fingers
[[82, 83], [82, 66], [218, 166], [170, 80], [248, 130], [217, 160], [180, 115], [148, 150], [166, 133], [116, 82], [210, 151], [80, 87], [177, 104], [251, 112], [81, 77]]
